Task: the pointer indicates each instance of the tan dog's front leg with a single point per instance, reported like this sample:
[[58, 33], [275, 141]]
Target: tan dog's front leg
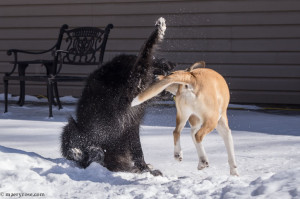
[[180, 123]]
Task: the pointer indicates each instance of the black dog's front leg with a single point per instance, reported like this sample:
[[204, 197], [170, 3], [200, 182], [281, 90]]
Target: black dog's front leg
[[137, 153]]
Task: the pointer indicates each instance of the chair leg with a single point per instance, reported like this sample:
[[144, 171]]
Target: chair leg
[[50, 97], [20, 95], [57, 96], [6, 95], [21, 70], [21, 101]]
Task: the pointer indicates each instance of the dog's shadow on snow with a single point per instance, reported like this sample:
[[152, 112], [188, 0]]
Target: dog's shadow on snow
[[62, 167]]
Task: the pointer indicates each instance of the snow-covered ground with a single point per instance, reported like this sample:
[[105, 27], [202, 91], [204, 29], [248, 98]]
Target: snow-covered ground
[[267, 146]]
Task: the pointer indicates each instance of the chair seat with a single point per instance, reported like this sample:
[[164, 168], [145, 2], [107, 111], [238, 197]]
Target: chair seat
[[69, 78], [38, 61], [36, 78], [45, 78]]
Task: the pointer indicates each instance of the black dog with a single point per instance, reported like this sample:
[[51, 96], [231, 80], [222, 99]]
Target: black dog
[[106, 129]]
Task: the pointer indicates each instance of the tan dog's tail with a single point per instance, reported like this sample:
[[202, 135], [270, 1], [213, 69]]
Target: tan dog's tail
[[198, 64], [178, 77]]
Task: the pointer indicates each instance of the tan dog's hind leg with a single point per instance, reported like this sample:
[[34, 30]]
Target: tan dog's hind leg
[[198, 131], [225, 132], [208, 125], [195, 126]]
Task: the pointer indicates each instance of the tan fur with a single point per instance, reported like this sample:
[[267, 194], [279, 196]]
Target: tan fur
[[202, 98]]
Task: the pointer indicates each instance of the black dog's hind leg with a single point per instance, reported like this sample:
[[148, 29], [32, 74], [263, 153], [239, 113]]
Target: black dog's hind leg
[[136, 151], [140, 77], [150, 45], [141, 73]]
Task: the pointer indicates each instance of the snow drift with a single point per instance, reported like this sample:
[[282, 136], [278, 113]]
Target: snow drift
[[267, 150]]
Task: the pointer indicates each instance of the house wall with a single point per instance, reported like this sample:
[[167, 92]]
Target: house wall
[[255, 44]]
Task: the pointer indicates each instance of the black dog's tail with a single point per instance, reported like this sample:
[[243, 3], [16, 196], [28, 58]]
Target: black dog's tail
[[143, 62]]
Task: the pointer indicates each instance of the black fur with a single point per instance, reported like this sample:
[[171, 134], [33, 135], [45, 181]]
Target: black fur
[[106, 129]]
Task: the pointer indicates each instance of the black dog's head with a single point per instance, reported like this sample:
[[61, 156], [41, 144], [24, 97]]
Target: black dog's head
[[162, 66]]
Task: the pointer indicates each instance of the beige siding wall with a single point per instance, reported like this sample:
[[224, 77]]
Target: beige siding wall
[[255, 44]]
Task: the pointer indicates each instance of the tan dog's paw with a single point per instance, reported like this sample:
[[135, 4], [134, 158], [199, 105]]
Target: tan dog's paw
[[178, 156]]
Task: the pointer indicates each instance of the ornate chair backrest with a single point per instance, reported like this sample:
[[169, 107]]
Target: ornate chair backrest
[[83, 46]]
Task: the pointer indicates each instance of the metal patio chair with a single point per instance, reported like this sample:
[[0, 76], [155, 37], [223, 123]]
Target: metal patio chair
[[81, 46]]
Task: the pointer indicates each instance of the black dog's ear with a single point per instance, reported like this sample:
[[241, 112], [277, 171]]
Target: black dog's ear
[[168, 67], [162, 66], [171, 65]]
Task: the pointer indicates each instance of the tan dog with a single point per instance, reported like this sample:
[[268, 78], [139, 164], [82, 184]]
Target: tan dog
[[202, 98]]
